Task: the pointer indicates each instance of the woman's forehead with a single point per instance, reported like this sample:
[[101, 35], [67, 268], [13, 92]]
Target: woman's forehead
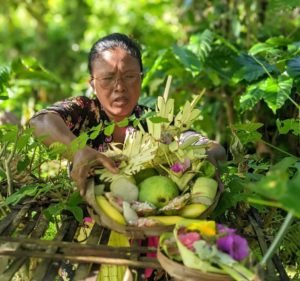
[[114, 59]]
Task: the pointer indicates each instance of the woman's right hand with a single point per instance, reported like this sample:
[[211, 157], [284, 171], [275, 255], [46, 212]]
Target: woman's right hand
[[84, 161]]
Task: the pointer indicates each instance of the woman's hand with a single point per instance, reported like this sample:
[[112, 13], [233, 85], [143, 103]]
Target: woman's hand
[[84, 161]]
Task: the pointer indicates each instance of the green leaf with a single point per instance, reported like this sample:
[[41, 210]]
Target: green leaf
[[290, 198], [74, 199], [95, 131], [276, 92], [158, 119], [123, 123], [251, 97], [250, 70], [187, 58], [247, 132], [200, 44], [284, 126], [22, 164], [28, 190], [54, 210], [259, 48], [76, 211], [108, 130], [293, 67]]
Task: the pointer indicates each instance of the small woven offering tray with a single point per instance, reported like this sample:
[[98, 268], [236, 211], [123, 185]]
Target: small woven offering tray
[[164, 175]]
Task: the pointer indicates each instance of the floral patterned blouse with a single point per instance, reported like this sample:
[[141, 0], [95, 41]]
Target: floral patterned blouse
[[82, 113]]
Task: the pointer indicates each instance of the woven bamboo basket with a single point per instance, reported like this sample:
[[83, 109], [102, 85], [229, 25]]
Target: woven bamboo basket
[[182, 273], [134, 232]]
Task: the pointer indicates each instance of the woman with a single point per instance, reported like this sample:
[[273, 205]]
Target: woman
[[115, 67]]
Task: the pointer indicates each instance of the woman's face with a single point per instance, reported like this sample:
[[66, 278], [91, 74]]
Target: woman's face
[[117, 82]]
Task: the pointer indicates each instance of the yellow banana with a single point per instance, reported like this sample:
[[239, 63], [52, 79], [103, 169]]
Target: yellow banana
[[109, 210], [192, 211], [167, 220]]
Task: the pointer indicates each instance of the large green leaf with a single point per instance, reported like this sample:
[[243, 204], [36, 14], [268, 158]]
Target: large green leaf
[[251, 69], [259, 48], [4, 78], [251, 97], [293, 67], [276, 92]]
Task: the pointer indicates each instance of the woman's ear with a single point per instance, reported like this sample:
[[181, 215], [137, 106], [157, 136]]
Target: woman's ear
[[92, 82]]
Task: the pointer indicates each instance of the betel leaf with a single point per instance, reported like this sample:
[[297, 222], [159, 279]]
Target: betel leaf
[[276, 92], [293, 67], [284, 126], [54, 210], [252, 68], [123, 123], [95, 131]]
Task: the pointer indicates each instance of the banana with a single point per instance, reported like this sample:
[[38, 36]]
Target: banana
[[109, 210], [192, 211], [167, 220]]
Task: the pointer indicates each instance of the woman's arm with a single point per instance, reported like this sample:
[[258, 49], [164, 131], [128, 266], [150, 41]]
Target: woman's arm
[[53, 127]]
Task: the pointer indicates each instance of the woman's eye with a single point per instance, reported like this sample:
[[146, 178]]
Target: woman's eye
[[107, 78]]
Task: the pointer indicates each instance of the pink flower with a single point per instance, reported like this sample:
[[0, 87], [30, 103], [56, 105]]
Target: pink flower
[[188, 239], [179, 167]]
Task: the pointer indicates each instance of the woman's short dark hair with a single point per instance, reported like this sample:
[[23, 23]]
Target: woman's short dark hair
[[112, 41]]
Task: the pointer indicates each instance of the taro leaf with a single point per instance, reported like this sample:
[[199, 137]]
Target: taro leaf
[[247, 132], [293, 67], [250, 69], [187, 58], [251, 97], [277, 92], [108, 130], [76, 211], [284, 126]]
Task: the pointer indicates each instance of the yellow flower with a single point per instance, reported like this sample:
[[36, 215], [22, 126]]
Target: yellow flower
[[206, 228]]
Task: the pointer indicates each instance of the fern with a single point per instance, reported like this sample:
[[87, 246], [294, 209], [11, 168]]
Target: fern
[[291, 242], [201, 44]]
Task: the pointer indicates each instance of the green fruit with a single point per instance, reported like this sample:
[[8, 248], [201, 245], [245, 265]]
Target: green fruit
[[158, 190], [204, 190], [124, 187], [143, 174]]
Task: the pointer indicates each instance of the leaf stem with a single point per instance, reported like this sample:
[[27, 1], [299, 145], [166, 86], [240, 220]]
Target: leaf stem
[[262, 65], [276, 242], [279, 149]]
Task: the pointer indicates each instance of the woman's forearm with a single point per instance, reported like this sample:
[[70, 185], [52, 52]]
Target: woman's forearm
[[53, 128]]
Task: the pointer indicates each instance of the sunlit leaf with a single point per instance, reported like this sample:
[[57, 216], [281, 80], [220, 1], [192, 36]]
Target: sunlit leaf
[[187, 58], [251, 97], [259, 48], [284, 126]]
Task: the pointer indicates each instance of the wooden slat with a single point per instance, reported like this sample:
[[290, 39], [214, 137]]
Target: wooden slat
[[69, 236], [7, 220], [19, 261], [43, 266], [84, 269]]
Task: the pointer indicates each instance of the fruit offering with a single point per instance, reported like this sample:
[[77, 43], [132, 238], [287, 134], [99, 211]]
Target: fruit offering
[[164, 174]]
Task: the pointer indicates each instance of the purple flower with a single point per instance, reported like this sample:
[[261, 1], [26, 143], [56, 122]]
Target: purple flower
[[179, 167], [224, 229], [234, 245]]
